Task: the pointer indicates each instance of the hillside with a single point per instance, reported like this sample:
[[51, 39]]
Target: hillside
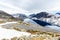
[[5, 15], [35, 31]]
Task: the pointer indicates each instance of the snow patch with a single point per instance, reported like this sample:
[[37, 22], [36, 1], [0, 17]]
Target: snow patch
[[7, 23], [10, 33]]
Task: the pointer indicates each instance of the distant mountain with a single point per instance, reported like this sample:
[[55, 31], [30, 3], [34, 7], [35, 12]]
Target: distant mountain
[[19, 16], [5, 15], [32, 15], [40, 15], [47, 17]]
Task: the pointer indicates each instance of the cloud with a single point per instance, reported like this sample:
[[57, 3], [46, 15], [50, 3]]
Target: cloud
[[31, 6], [11, 8]]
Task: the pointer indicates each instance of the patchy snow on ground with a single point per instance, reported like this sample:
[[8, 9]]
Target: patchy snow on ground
[[10, 33], [7, 23]]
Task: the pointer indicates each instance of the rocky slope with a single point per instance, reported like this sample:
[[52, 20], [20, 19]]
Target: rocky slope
[[5, 15], [19, 16]]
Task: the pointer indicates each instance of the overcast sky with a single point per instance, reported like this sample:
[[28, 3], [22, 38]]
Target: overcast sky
[[30, 6]]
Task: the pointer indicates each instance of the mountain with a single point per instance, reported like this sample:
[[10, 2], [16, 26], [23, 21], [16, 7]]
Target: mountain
[[19, 16], [5, 15], [48, 18], [32, 15], [41, 14], [28, 25], [39, 18]]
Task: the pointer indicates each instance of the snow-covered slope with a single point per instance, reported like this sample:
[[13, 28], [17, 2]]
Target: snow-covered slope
[[10, 33]]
